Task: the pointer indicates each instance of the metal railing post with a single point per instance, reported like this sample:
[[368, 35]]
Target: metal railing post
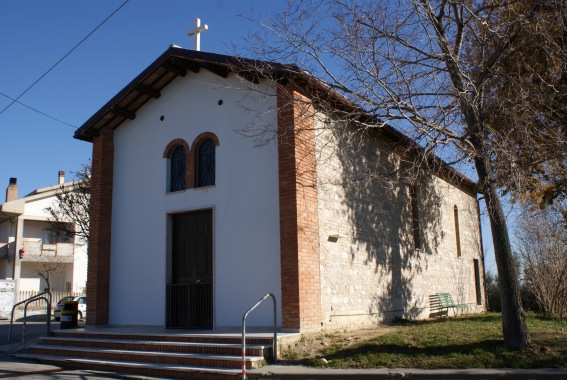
[[274, 344], [37, 297], [25, 318]]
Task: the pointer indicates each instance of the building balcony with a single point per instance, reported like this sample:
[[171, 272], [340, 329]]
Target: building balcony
[[37, 251]]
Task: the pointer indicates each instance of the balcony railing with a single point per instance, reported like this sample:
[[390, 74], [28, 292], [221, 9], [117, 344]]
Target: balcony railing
[[35, 250]]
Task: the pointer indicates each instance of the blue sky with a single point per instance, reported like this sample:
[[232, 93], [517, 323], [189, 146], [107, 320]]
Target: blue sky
[[35, 34]]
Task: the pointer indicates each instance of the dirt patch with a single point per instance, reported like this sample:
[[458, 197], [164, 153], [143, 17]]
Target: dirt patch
[[312, 346]]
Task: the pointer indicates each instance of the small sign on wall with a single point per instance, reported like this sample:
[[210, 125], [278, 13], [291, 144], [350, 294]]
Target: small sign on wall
[[7, 297]]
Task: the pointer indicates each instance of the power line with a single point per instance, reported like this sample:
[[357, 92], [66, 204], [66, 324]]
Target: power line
[[61, 60], [36, 110]]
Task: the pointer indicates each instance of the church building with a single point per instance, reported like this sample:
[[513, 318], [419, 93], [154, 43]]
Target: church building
[[217, 179]]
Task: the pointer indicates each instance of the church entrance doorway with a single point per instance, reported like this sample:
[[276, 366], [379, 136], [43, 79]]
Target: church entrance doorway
[[190, 291]]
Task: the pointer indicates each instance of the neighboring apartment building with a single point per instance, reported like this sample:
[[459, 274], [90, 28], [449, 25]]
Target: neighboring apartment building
[[29, 245]]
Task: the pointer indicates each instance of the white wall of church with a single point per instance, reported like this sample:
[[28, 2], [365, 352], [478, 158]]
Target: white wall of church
[[373, 272], [244, 202]]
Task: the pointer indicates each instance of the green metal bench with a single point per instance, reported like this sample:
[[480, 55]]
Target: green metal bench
[[446, 302]]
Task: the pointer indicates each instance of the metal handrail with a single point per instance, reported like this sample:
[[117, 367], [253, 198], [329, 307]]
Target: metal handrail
[[27, 301], [274, 345]]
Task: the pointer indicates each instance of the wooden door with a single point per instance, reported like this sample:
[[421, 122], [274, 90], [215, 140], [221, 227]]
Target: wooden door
[[190, 293]]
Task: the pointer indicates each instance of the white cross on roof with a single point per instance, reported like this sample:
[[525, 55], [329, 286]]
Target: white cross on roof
[[196, 31]]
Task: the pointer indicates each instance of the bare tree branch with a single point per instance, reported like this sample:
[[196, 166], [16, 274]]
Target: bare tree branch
[[70, 211], [453, 76]]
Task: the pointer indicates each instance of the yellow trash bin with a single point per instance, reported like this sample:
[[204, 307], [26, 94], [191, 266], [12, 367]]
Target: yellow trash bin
[[69, 315]]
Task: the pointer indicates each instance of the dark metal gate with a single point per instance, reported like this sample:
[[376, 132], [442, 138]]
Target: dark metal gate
[[190, 306]]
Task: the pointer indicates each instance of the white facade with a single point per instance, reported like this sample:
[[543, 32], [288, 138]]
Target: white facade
[[244, 201]]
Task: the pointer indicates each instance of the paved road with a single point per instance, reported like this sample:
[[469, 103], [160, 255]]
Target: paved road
[[33, 330], [13, 368]]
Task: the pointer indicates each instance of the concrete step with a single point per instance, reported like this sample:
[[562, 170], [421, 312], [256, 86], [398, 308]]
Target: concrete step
[[160, 370], [176, 358], [162, 346], [183, 354], [204, 337]]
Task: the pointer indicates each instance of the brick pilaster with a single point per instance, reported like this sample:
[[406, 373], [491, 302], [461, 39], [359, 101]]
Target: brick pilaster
[[98, 275], [299, 229]]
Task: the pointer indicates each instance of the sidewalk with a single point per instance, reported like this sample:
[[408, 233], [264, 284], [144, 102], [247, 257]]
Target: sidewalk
[[15, 368], [277, 372]]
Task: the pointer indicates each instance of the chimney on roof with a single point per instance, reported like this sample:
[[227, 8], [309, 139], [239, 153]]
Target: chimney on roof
[[12, 190], [61, 177]]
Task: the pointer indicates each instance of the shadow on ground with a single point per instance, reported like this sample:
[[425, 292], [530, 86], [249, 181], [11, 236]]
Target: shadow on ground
[[452, 343], [34, 318]]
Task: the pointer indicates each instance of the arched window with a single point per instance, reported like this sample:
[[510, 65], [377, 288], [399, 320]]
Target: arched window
[[415, 222], [205, 164], [177, 169], [457, 232]]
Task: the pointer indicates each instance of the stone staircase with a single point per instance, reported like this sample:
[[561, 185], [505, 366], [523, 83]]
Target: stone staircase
[[180, 356]]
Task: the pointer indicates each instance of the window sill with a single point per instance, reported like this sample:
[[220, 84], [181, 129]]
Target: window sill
[[203, 188], [176, 192]]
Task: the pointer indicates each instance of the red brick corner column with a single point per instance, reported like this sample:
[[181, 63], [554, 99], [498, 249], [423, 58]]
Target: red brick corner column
[[299, 228], [98, 274]]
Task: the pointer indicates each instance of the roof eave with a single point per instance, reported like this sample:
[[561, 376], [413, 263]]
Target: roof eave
[[159, 74], [149, 83]]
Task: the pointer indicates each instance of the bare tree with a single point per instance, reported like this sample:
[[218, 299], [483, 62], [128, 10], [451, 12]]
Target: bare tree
[[542, 248], [70, 211], [46, 267], [427, 68]]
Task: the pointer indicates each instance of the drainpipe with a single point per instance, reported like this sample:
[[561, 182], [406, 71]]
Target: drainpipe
[[482, 252]]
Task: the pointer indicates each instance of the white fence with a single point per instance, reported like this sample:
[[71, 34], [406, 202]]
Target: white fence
[[40, 304]]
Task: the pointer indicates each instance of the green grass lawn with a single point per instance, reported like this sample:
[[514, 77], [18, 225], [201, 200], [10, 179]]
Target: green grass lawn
[[463, 342]]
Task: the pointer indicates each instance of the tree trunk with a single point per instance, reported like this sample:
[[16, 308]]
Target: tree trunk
[[514, 327]]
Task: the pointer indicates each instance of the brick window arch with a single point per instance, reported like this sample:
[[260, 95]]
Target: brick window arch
[[179, 165], [204, 159]]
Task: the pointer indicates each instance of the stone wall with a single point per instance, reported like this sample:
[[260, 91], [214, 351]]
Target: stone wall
[[370, 269]]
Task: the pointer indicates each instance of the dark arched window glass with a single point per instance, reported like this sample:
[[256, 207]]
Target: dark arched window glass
[[206, 163], [177, 169]]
